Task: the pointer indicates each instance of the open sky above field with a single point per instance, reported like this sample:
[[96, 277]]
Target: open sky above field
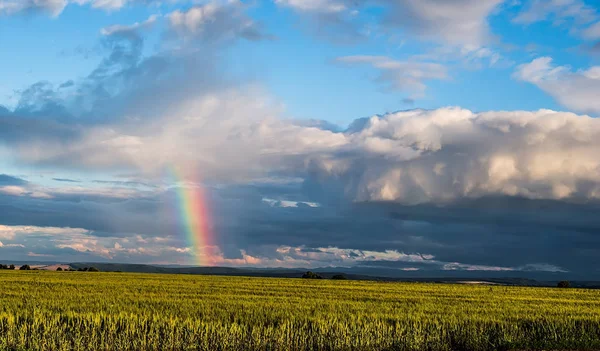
[[417, 135]]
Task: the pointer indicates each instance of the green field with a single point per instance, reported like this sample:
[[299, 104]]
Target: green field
[[118, 311]]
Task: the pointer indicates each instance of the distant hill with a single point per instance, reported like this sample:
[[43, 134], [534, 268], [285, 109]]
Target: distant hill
[[327, 273], [351, 273]]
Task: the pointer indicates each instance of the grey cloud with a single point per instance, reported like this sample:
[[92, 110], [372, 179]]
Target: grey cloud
[[55, 7], [66, 180], [457, 22], [580, 16], [404, 76], [472, 234], [51, 7], [125, 183], [66, 84], [332, 19]]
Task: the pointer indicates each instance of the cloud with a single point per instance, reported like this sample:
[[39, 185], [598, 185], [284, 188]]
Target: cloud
[[107, 5], [326, 6], [576, 90], [66, 180], [403, 76], [592, 32], [50, 7], [456, 22], [129, 29], [57, 242], [215, 21], [14, 190], [332, 19], [55, 7], [576, 14], [476, 233], [556, 10], [411, 157]]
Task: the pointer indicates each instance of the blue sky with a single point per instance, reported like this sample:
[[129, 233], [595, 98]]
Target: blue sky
[[298, 66], [441, 128]]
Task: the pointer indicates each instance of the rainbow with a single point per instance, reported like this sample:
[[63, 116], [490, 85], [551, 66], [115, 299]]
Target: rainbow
[[193, 214]]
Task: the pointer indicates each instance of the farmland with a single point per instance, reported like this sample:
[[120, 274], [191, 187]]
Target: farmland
[[122, 311]]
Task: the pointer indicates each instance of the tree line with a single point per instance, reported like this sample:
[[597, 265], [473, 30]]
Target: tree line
[[27, 267]]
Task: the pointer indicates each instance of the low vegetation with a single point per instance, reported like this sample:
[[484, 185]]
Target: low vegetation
[[46, 310]]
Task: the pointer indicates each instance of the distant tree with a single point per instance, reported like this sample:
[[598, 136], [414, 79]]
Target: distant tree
[[339, 277], [59, 269], [311, 275], [3, 266], [12, 266], [25, 267], [93, 269], [564, 284]]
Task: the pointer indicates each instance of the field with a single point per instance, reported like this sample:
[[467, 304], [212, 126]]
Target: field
[[119, 311]]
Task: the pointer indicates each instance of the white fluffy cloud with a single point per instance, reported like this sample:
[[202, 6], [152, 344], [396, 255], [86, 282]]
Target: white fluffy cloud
[[448, 154], [577, 90], [409, 157]]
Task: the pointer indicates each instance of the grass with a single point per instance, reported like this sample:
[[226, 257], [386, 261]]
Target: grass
[[120, 311]]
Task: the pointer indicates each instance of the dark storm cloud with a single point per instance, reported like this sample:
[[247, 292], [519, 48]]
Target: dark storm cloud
[[472, 233]]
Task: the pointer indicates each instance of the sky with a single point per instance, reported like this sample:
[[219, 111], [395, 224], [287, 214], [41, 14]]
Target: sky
[[422, 136]]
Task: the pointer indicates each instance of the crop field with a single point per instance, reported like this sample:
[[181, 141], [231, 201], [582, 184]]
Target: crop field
[[119, 311]]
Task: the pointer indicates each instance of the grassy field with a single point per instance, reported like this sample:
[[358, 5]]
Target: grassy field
[[119, 311]]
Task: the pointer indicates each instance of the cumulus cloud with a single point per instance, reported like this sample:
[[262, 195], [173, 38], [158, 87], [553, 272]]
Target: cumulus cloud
[[410, 157], [403, 76], [576, 90]]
